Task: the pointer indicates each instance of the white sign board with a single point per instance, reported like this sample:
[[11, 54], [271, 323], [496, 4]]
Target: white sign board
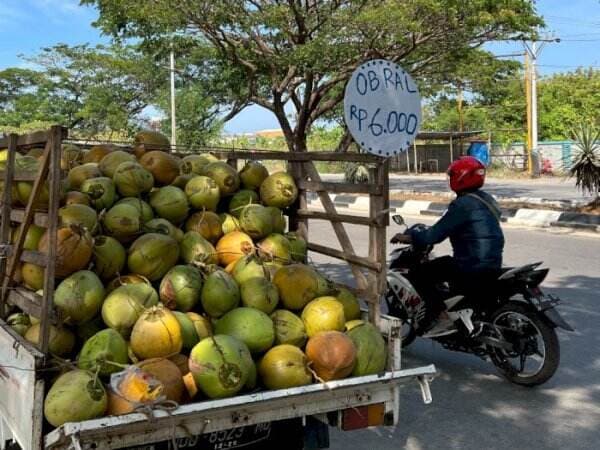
[[382, 108]]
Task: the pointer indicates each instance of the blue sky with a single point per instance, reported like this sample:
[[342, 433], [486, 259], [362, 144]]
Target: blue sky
[[28, 25]]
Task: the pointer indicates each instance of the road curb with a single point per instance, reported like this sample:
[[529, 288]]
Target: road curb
[[540, 218]]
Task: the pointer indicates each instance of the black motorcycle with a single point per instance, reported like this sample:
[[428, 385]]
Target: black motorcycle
[[518, 333]]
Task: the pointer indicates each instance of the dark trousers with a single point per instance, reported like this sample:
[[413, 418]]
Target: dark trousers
[[429, 278]]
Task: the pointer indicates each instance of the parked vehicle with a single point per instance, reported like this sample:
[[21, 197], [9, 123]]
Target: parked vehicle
[[519, 334]]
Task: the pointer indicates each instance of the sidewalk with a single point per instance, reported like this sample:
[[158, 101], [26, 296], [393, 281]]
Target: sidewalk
[[546, 188], [545, 202]]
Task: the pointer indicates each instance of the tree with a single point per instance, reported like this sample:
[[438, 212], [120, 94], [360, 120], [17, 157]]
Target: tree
[[198, 119], [89, 89], [275, 53]]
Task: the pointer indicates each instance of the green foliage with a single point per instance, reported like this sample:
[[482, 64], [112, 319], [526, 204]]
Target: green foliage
[[586, 162], [197, 117], [564, 100], [274, 53]]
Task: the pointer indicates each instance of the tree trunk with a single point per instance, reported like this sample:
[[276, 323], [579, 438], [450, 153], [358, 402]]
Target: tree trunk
[[345, 142]]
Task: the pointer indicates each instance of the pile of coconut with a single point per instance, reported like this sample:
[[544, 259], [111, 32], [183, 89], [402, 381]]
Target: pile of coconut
[[178, 281]]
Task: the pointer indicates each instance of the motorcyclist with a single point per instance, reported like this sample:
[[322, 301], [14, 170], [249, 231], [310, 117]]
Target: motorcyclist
[[472, 222]]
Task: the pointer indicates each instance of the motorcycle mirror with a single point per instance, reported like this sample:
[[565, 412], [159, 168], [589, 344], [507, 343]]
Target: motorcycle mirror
[[398, 219]]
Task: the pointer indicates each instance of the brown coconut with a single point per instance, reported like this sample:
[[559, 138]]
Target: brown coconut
[[332, 355], [163, 166], [74, 248], [168, 373]]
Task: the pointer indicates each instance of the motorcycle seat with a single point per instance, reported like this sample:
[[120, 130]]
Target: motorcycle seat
[[511, 272]]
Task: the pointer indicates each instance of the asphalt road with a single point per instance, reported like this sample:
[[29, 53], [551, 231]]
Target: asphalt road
[[555, 188], [473, 407]]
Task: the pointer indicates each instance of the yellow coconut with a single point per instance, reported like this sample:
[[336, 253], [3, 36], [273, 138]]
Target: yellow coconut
[[323, 314], [97, 152], [298, 284], [147, 140], [74, 249], [33, 276], [156, 334], [62, 340], [233, 246]]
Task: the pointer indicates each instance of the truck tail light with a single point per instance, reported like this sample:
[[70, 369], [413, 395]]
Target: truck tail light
[[363, 417]]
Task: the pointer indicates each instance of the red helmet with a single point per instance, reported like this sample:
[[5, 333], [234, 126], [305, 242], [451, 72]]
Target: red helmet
[[466, 173]]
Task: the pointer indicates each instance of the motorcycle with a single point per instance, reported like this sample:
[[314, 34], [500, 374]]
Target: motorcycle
[[517, 333]]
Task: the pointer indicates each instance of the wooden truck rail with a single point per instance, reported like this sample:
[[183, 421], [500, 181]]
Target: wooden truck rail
[[23, 365]]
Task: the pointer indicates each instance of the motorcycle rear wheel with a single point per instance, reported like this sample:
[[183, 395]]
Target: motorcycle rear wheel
[[517, 314]]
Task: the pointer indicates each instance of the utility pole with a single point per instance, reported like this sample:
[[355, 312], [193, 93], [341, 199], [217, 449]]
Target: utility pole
[[528, 108], [173, 123], [532, 53]]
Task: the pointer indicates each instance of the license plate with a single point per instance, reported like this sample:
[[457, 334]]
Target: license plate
[[218, 440]]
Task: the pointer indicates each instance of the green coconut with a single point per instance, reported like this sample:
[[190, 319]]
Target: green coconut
[[240, 200], [253, 174], [194, 164], [220, 294], [32, 237], [74, 397], [196, 249], [283, 367], [87, 330], [323, 314], [279, 190], [371, 351], [62, 341], [20, 322], [181, 287], [23, 189], [298, 247], [202, 324], [123, 306], [105, 352], [207, 223], [152, 255], [248, 267], [76, 197], [256, 221], [109, 257], [170, 203], [225, 176], [163, 226], [298, 284], [182, 180], [189, 336], [70, 157], [78, 215], [123, 222], [229, 223], [203, 193], [79, 297], [278, 220], [122, 280], [220, 366], [144, 209], [132, 179], [252, 326], [275, 247], [108, 165], [259, 293], [101, 191], [289, 328], [349, 302], [77, 175]]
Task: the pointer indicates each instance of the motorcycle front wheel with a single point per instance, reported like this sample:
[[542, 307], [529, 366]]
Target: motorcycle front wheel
[[536, 353]]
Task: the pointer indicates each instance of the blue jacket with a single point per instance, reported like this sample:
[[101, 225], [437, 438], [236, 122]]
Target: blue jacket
[[474, 231]]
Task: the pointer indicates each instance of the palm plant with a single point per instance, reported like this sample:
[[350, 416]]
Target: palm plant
[[586, 163], [356, 173]]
